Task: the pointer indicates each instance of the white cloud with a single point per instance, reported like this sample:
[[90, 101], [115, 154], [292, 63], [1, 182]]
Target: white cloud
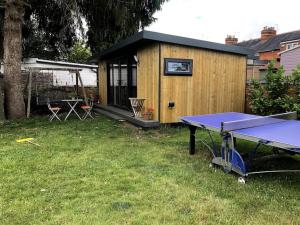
[[212, 20]]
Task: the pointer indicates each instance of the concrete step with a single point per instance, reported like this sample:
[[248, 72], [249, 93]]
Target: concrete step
[[108, 114], [121, 114]]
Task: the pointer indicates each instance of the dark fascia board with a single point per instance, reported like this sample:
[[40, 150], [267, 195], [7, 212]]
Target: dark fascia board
[[196, 43], [269, 50], [122, 44], [172, 39]]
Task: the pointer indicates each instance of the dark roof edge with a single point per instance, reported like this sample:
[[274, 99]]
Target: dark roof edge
[[268, 50], [196, 43], [123, 43], [172, 39]]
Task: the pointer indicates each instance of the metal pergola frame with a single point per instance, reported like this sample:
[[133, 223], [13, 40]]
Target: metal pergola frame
[[37, 69]]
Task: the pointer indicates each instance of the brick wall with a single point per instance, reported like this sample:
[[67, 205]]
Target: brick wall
[[254, 71], [272, 55], [43, 88]]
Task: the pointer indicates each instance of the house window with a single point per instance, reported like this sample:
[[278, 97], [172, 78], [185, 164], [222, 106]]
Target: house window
[[291, 45]]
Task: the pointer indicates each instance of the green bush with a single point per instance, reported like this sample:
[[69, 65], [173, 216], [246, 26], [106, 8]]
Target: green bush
[[279, 93], [296, 80], [79, 53]]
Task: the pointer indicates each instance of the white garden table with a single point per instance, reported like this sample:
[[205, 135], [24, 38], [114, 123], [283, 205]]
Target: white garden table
[[72, 103]]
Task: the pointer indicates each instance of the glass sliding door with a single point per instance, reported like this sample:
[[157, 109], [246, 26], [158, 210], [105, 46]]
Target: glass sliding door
[[122, 82], [113, 83], [133, 87], [123, 85]]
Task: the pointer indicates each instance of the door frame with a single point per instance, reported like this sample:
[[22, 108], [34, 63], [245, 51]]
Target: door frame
[[110, 96]]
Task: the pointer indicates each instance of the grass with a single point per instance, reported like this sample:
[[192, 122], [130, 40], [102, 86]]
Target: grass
[[105, 172]]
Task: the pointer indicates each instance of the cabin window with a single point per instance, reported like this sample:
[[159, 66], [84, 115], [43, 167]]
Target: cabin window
[[178, 67]]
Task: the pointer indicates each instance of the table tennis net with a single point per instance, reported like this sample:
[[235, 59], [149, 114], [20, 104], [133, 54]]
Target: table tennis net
[[255, 122]]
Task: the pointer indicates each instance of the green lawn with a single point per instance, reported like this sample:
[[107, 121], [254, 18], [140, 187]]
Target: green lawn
[[105, 172]]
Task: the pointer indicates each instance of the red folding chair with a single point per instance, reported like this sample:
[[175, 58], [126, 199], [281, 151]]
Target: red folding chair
[[54, 110], [87, 109]]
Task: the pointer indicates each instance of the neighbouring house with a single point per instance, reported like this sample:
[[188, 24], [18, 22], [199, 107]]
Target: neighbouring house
[[267, 48], [176, 75], [290, 58]]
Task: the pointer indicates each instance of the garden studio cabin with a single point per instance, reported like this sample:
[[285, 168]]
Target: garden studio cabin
[[177, 76]]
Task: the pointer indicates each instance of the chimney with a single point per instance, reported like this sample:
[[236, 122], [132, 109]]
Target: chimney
[[231, 40], [267, 33]]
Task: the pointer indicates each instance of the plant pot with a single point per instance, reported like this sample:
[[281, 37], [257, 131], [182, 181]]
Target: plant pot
[[145, 116], [148, 116]]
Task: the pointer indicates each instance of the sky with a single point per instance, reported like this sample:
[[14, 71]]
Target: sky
[[213, 20]]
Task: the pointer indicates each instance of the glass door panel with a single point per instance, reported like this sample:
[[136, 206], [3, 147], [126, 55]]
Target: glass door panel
[[122, 82], [123, 93]]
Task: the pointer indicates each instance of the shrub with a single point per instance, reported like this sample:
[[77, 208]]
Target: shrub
[[296, 83], [278, 94]]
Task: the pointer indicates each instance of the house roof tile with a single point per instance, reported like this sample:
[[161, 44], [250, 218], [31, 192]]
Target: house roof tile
[[272, 43]]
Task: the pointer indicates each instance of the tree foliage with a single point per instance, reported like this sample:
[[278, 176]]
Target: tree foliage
[[111, 20], [79, 53], [279, 93], [50, 27]]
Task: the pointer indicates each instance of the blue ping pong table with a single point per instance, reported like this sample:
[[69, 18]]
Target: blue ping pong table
[[279, 131]]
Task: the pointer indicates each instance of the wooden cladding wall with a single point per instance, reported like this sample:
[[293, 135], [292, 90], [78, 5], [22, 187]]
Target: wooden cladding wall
[[216, 85], [147, 77], [102, 82]]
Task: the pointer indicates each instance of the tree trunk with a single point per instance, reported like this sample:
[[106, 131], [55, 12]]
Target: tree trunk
[[2, 116], [14, 100]]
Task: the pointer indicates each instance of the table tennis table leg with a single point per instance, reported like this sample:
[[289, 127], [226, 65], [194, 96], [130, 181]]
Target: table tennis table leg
[[192, 139], [234, 141]]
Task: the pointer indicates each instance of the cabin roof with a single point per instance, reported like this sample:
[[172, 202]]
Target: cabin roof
[[145, 37]]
